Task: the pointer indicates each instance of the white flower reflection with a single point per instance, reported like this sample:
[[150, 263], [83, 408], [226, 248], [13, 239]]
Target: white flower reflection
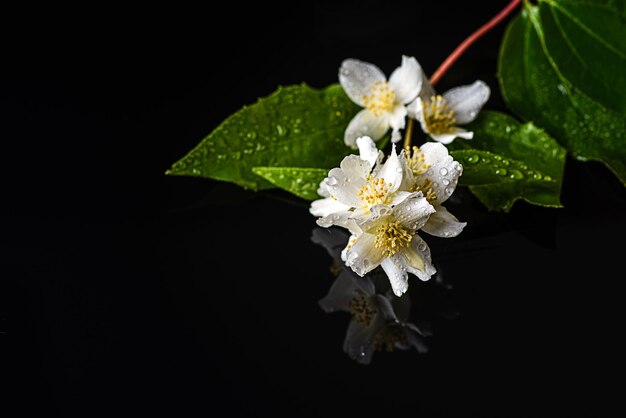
[[379, 319]]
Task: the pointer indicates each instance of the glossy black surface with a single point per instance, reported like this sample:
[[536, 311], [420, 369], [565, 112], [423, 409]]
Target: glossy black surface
[[126, 291]]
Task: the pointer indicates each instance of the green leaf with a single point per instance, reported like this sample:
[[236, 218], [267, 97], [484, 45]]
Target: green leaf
[[296, 126], [587, 42], [541, 82], [302, 182], [509, 161]]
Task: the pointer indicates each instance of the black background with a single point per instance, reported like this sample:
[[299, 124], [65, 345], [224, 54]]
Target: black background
[[123, 290]]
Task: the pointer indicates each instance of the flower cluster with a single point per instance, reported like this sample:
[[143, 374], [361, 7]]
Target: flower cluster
[[385, 204], [387, 103]]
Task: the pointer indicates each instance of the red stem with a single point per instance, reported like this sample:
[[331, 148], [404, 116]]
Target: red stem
[[460, 50]]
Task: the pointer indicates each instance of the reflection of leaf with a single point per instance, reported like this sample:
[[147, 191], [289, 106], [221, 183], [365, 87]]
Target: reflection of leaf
[[302, 182], [510, 161], [542, 79], [296, 126]]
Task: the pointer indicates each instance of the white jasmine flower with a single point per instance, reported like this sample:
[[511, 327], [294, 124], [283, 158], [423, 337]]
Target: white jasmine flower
[[389, 239], [359, 183], [379, 320], [439, 115], [384, 101], [433, 172]]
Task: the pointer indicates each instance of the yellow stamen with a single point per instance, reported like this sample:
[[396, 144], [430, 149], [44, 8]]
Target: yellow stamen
[[415, 160], [439, 119], [426, 187], [381, 100], [391, 237], [375, 191]]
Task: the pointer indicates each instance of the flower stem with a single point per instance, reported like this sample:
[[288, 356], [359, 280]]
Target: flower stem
[[460, 50]]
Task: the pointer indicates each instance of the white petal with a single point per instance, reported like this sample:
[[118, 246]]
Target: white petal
[[322, 190], [354, 167], [377, 214], [344, 182], [391, 171], [419, 248], [406, 80], [398, 278], [415, 110], [363, 256], [357, 77], [395, 136], [408, 179], [341, 219], [466, 101], [368, 150], [443, 224], [361, 213], [365, 123], [444, 171], [344, 252], [397, 121], [414, 211], [325, 207], [447, 138], [399, 197]]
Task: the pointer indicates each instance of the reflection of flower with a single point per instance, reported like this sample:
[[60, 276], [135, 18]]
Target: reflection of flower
[[379, 320], [383, 206], [439, 115], [384, 102]]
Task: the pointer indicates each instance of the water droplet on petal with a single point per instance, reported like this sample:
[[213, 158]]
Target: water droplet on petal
[[443, 171]]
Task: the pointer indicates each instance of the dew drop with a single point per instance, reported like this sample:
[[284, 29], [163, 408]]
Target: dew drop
[[473, 159], [445, 182], [281, 130], [501, 171], [443, 171]]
